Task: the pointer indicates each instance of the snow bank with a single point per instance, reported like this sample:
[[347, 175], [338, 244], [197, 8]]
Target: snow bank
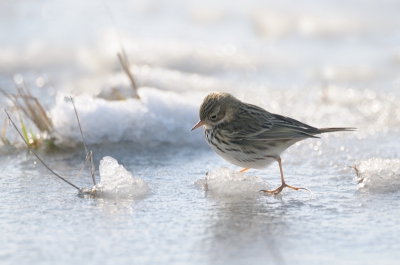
[[159, 117], [379, 175]]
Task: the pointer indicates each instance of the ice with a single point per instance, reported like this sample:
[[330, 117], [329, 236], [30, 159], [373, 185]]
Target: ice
[[379, 175], [227, 182], [117, 182]]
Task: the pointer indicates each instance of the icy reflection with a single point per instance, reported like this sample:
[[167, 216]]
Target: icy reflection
[[225, 182], [245, 232], [116, 206]]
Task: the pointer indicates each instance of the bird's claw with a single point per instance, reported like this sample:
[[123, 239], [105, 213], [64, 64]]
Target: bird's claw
[[275, 192]]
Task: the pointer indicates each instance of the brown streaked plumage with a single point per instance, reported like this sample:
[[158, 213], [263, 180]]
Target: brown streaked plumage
[[249, 136]]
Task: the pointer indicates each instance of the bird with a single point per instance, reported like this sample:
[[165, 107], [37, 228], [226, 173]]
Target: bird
[[249, 136]]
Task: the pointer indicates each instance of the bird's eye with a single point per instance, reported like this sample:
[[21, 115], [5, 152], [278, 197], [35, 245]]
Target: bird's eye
[[213, 117]]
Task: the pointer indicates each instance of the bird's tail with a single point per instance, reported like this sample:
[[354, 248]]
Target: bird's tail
[[339, 129]]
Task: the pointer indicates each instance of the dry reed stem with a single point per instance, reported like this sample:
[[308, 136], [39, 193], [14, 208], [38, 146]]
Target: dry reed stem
[[3, 132], [123, 59], [32, 108]]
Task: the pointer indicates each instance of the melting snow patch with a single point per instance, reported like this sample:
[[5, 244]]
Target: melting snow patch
[[379, 175], [149, 121], [117, 182], [224, 181]]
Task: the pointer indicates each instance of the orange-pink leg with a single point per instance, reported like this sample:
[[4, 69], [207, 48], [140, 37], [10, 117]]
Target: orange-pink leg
[[244, 169], [284, 185]]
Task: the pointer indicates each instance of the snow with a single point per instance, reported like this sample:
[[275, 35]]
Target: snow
[[159, 117]]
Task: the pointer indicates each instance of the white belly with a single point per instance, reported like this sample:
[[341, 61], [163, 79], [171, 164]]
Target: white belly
[[247, 155]]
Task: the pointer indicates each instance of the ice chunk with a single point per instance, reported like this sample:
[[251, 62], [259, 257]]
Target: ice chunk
[[224, 181], [379, 175], [116, 181]]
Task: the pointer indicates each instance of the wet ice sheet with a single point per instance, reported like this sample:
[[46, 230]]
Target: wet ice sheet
[[180, 223], [230, 183], [379, 175]]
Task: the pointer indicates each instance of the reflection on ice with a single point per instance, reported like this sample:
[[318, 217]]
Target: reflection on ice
[[379, 175], [227, 182], [117, 182]]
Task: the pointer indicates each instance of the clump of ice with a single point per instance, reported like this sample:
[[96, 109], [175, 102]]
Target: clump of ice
[[117, 182], [379, 175], [227, 182]]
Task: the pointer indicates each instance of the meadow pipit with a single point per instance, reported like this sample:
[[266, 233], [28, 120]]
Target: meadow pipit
[[249, 136]]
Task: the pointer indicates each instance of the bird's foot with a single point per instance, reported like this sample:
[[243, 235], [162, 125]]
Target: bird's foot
[[284, 185], [244, 169]]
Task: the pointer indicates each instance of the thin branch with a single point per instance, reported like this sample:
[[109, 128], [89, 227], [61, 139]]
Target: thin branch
[[87, 160], [92, 169], [11, 97], [33, 152], [79, 123], [88, 154]]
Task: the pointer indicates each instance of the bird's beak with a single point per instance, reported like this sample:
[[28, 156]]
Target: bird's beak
[[200, 123]]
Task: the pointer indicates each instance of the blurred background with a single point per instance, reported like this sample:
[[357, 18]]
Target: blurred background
[[326, 63], [275, 43]]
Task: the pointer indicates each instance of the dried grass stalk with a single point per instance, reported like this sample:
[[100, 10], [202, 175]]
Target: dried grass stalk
[[123, 59], [31, 107]]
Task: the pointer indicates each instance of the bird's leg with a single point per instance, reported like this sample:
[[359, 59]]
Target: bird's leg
[[284, 185], [244, 169]]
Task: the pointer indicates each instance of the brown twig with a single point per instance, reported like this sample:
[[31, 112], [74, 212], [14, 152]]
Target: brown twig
[[3, 132], [123, 59]]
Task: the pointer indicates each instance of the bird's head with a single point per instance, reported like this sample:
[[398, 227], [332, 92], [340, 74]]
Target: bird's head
[[217, 107]]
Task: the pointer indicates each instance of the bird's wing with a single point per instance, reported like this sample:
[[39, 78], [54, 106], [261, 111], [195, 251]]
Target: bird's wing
[[253, 126]]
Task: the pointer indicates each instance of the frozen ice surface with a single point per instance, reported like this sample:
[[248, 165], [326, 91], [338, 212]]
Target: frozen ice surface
[[379, 175], [117, 182], [227, 182]]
